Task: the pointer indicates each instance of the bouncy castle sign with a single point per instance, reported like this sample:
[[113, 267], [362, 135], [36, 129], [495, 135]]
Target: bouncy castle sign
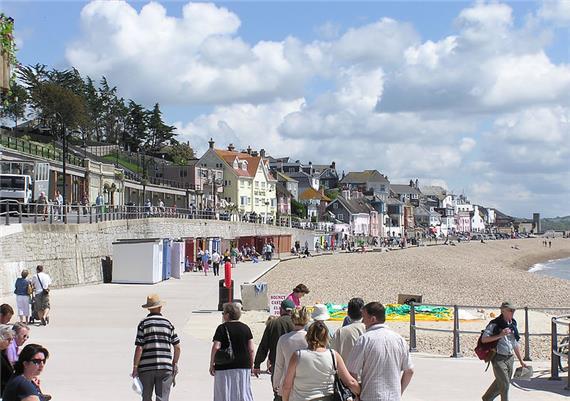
[[275, 303]]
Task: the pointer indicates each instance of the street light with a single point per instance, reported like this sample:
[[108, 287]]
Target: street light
[[117, 150]]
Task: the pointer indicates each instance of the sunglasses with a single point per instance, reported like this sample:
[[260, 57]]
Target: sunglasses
[[38, 361]]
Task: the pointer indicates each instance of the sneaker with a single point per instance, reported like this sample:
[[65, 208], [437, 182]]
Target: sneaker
[[43, 322]]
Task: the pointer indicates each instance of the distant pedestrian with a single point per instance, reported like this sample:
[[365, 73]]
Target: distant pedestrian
[[41, 283], [268, 345], [287, 345], [503, 329], [216, 263], [58, 202], [99, 203], [344, 338], [21, 335], [381, 358], [206, 262], [232, 378], [6, 313], [43, 205], [311, 372], [298, 292], [550, 244], [24, 383], [157, 350], [23, 290], [84, 202]]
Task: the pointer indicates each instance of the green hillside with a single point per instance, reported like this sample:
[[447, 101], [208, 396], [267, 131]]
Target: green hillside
[[556, 223]]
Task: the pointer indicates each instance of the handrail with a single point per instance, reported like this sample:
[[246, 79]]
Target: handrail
[[33, 213], [561, 350], [456, 331]]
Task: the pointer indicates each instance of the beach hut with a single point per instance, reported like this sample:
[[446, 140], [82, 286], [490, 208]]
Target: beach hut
[[137, 261]]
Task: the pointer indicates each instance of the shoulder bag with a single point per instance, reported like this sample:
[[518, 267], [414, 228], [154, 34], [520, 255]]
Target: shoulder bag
[[340, 391], [225, 356], [45, 291]]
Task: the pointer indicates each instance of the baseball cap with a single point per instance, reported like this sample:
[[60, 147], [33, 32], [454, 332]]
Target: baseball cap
[[508, 305], [287, 305]]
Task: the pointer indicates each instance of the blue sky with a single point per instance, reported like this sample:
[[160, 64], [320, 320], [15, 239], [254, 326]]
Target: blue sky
[[453, 93]]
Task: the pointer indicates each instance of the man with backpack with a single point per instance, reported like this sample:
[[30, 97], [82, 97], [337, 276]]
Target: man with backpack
[[502, 330]]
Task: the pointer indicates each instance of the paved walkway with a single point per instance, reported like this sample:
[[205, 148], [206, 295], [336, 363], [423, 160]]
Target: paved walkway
[[93, 328]]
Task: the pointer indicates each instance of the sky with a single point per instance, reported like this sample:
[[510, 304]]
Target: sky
[[473, 96]]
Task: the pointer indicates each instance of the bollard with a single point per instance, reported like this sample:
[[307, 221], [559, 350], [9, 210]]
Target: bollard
[[554, 358], [35, 213], [413, 327], [526, 336], [50, 214], [19, 213], [78, 215], [456, 344], [7, 214]]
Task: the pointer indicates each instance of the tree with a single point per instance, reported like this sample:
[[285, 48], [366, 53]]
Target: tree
[[159, 133], [136, 126], [60, 105], [181, 154], [15, 107], [298, 209]]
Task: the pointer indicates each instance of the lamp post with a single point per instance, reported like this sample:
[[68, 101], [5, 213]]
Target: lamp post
[[117, 154], [64, 164], [266, 210]]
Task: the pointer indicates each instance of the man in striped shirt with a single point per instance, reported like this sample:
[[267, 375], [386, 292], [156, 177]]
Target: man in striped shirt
[[153, 362]]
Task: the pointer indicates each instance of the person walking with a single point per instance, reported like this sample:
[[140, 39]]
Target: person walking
[[287, 345], [216, 262], [41, 283], [503, 329], [24, 383], [298, 292], [344, 338], [157, 351], [274, 329], [23, 289], [58, 201], [43, 206], [311, 372], [232, 378], [381, 358], [206, 261], [21, 335]]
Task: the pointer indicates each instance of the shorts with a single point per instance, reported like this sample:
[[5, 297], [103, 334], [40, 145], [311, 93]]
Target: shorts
[[23, 305], [41, 301]]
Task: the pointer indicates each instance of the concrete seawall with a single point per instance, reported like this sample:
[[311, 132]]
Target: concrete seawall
[[72, 253]]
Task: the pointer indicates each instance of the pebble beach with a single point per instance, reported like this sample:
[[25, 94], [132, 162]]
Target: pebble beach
[[469, 273]]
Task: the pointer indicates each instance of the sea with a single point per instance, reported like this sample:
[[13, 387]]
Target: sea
[[554, 268]]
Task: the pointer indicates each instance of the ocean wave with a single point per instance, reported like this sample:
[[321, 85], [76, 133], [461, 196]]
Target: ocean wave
[[537, 267]]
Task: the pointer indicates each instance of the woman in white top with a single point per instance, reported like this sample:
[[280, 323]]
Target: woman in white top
[[310, 375], [288, 344]]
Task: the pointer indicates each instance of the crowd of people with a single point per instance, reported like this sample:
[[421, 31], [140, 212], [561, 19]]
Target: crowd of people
[[206, 260]]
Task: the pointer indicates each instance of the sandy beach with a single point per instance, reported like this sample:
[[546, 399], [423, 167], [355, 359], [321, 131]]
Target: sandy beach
[[465, 274]]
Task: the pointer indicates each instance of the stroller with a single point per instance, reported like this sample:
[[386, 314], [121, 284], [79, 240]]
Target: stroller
[[34, 315]]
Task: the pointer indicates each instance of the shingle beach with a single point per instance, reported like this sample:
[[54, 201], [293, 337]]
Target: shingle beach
[[466, 274]]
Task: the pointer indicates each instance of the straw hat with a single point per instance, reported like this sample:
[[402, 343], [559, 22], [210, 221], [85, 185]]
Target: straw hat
[[153, 301], [320, 312]]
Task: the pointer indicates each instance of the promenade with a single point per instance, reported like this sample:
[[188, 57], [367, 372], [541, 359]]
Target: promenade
[[92, 331]]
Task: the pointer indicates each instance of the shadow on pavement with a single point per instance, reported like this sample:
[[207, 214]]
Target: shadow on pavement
[[542, 382]]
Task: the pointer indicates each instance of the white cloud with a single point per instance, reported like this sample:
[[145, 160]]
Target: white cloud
[[467, 144], [557, 11]]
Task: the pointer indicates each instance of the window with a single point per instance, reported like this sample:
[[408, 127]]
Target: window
[[248, 200], [256, 201], [241, 184], [243, 200], [340, 216], [262, 184], [335, 206], [256, 184]]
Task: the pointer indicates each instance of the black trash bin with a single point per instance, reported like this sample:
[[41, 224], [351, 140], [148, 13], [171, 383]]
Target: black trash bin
[[107, 264], [225, 294]]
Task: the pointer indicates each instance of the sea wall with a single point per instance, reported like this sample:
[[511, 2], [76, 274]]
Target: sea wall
[[72, 253]]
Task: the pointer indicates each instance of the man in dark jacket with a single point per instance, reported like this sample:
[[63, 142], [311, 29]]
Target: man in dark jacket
[[268, 345], [504, 331]]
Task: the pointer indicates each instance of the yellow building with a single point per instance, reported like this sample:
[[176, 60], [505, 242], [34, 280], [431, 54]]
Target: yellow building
[[247, 182]]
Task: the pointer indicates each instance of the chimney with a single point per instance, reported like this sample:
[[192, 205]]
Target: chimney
[[231, 147], [333, 165], [211, 143], [262, 152], [417, 183], [254, 153], [346, 194], [248, 150]]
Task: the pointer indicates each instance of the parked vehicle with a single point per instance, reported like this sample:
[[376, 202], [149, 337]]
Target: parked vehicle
[[23, 181]]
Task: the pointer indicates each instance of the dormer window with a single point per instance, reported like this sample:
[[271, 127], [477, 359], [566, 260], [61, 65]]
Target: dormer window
[[235, 164], [244, 165]]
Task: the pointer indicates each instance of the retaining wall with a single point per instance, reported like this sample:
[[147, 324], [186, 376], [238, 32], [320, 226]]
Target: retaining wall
[[72, 253]]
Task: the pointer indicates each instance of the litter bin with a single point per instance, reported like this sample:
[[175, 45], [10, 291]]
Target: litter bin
[[107, 264], [225, 294]]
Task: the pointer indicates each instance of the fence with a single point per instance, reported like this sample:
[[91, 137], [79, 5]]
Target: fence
[[35, 149], [456, 331], [12, 211]]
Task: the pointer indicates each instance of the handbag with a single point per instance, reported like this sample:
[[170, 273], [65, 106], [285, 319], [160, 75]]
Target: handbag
[[30, 289], [225, 356], [340, 391]]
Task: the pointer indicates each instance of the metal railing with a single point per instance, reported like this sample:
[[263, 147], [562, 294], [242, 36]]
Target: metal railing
[[456, 331], [12, 211], [559, 350], [35, 149]]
